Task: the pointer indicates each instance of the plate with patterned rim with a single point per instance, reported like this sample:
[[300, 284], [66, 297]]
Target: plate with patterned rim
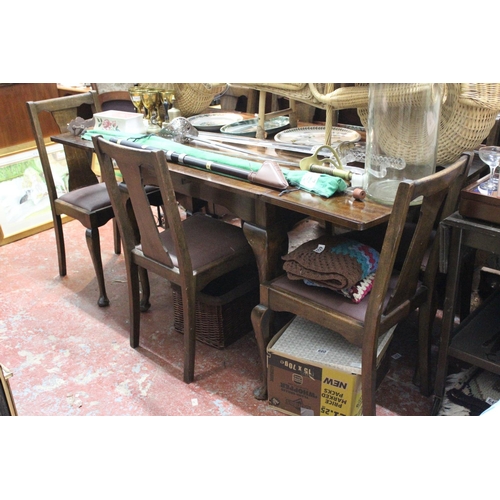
[[312, 136], [212, 122], [248, 128]]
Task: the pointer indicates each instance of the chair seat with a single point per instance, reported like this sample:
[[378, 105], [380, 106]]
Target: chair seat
[[328, 298], [89, 198], [209, 240]]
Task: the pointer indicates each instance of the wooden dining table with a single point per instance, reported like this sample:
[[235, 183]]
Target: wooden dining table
[[267, 214]]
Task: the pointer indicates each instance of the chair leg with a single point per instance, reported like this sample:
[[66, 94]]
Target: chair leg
[[189, 313], [61, 251], [93, 243], [134, 304], [426, 316], [146, 291], [369, 381], [116, 238], [261, 320]]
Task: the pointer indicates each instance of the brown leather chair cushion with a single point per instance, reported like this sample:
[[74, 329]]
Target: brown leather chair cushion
[[211, 239], [89, 198], [328, 298]]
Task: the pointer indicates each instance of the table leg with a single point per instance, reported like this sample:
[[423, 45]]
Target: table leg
[[268, 246], [452, 285]]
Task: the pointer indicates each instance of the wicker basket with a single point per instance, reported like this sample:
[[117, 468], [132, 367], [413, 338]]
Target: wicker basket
[[468, 113], [191, 98], [222, 309]]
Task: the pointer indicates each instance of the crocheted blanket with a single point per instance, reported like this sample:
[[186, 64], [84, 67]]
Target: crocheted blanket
[[333, 262]]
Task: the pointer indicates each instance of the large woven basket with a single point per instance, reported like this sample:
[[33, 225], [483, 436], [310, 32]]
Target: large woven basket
[[223, 308], [468, 112], [191, 98]]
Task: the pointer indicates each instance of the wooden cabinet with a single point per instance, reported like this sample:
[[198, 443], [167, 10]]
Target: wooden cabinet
[[15, 126]]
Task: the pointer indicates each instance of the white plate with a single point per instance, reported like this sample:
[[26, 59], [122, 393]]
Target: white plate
[[212, 122], [312, 136]]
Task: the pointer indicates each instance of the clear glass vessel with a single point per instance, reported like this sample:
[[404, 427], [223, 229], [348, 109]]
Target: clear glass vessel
[[401, 136]]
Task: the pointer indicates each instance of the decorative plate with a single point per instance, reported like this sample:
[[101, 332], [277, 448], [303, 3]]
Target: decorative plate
[[212, 122], [248, 128], [312, 136]]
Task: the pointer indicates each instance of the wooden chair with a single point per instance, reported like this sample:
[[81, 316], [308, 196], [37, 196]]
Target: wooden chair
[[189, 253], [118, 99], [87, 200], [395, 294], [375, 238]]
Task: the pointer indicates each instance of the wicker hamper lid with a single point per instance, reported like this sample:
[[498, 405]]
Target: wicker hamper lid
[[468, 113]]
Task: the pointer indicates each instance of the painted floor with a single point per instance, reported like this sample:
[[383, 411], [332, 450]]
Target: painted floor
[[71, 358]]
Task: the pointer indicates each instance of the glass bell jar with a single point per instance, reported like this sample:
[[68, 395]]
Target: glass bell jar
[[401, 135]]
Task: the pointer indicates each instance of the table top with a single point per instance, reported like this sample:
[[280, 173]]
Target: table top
[[480, 226], [474, 233], [341, 209]]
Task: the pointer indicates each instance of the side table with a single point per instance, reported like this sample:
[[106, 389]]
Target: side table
[[460, 237]]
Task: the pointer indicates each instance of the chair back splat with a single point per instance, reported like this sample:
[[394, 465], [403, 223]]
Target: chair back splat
[[87, 200], [404, 281], [189, 253]]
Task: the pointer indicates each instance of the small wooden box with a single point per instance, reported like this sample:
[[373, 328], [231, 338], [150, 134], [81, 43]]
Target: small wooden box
[[477, 205]]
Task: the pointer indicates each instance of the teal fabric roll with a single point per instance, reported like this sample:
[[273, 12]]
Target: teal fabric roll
[[322, 184], [168, 145]]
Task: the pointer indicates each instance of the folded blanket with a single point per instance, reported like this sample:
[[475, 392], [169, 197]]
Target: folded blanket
[[333, 262]]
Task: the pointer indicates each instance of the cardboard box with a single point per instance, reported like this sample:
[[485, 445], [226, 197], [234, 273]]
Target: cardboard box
[[315, 371]]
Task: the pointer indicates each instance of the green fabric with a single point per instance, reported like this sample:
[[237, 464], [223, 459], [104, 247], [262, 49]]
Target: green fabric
[[168, 145], [322, 184]]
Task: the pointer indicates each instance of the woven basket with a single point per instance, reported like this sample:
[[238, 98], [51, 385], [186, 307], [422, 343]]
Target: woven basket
[[191, 98], [319, 95], [222, 310], [468, 113]]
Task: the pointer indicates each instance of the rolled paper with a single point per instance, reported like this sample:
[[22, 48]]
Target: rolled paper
[[336, 172]]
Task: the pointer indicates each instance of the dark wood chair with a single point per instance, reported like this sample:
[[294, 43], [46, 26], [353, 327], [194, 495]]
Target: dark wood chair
[[375, 238], [396, 292], [118, 99], [189, 253], [87, 200]]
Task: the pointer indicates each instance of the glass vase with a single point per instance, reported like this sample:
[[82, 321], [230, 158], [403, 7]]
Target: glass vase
[[401, 136]]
